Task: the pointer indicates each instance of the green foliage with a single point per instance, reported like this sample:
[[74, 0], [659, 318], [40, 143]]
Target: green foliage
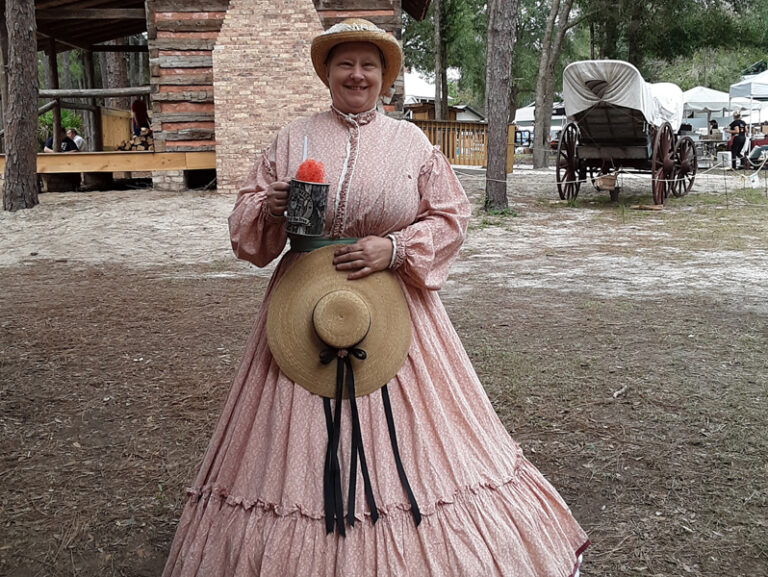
[[464, 33], [639, 31], [69, 119], [531, 22], [716, 68], [688, 42]]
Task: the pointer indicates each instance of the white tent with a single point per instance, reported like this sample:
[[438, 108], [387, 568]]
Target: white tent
[[753, 87], [703, 99]]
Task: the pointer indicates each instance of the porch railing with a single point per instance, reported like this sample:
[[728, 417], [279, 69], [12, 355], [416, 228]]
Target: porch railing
[[464, 143]]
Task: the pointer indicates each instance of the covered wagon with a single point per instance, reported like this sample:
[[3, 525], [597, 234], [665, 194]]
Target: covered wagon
[[619, 122]]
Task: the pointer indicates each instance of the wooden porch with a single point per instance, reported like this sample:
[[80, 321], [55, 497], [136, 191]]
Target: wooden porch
[[113, 161], [464, 143]]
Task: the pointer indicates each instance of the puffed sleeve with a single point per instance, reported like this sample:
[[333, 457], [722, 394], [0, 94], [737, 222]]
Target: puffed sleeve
[[426, 249], [256, 235]]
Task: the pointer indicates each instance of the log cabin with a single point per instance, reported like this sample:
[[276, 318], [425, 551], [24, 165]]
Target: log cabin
[[209, 69]]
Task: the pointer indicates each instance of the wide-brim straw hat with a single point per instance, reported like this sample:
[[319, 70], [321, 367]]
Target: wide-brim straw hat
[[315, 308], [358, 30]]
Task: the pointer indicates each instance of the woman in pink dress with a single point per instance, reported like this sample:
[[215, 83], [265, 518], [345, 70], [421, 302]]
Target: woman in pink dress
[[477, 507]]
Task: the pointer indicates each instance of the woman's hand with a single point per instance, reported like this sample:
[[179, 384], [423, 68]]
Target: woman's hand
[[277, 197], [366, 256]]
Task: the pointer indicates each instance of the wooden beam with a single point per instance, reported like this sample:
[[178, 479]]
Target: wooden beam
[[120, 48], [48, 4], [67, 105], [187, 6], [207, 25], [121, 161], [46, 107], [92, 14], [182, 61], [70, 45], [194, 79], [95, 92], [181, 43], [40, 111]]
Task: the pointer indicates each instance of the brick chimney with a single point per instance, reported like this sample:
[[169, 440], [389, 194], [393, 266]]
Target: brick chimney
[[263, 79]]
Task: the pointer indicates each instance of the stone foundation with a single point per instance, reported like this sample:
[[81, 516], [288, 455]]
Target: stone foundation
[[169, 180]]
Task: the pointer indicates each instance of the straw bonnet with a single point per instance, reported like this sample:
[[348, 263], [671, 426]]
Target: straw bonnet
[[358, 30], [314, 309]]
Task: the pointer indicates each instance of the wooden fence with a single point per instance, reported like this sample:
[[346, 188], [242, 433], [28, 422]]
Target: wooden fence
[[464, 143]]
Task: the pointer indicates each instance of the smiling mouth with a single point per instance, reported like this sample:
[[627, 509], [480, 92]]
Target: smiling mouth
[[357, 88]]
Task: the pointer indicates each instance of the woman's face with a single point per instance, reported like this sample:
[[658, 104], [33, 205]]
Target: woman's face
[[354, 76]]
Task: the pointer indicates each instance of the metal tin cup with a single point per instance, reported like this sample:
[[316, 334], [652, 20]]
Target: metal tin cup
[[306, 208]]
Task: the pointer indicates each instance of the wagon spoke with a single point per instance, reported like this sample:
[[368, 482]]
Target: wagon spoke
[[568, 162], [686, 164]]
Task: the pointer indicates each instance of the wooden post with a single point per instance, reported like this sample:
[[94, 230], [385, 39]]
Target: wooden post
[[53, 74], [95, 137]]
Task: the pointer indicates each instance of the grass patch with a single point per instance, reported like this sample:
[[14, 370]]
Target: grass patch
[[483, 219]]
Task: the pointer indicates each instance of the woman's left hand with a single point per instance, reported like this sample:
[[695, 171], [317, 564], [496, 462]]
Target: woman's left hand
[[366, 256]]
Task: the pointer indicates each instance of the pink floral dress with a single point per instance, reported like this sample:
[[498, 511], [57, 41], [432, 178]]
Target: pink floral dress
[[256, 506]]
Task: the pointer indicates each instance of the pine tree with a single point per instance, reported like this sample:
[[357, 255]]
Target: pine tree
[[20, 190]]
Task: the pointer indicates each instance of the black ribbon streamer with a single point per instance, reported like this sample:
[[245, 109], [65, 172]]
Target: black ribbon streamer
[[398, 461], [334, 506]]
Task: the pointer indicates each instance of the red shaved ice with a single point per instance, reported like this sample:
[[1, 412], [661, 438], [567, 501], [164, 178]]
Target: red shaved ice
[[311, 171]]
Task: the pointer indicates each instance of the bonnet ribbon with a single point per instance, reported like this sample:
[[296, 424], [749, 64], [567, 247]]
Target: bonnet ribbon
[[334, 506]]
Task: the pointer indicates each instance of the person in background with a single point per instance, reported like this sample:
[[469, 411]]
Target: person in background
[[78, 140], [139, 116], [67, 144], [713, 126], [738, 128]]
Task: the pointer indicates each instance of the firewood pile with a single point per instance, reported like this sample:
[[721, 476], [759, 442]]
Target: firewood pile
[[142, 142]]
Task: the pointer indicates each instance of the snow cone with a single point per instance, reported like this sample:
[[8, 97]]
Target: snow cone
[[307, 198]]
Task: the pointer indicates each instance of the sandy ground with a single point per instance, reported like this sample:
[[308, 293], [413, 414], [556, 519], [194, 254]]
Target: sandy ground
[[143, 228]]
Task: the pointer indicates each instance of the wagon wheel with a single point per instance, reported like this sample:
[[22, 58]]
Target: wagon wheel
[[662, 163], [686, 164], [568, 181]]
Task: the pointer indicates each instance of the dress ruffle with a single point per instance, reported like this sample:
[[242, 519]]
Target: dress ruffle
[[482, 531]]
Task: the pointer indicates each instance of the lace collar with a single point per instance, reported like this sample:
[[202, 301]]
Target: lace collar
[[360, 118]]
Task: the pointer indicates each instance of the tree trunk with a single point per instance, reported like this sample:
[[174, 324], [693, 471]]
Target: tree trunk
[[437, 9], [20, 190], [502, 15], [557, 26], [114, 74], [3, 77], [131, 64], [66, 73], [514, 87], [143, 61], [53, 77], [95, 140], [634, 33]]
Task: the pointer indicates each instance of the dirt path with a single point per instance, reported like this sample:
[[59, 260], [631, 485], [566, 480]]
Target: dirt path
[[624, 349]]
